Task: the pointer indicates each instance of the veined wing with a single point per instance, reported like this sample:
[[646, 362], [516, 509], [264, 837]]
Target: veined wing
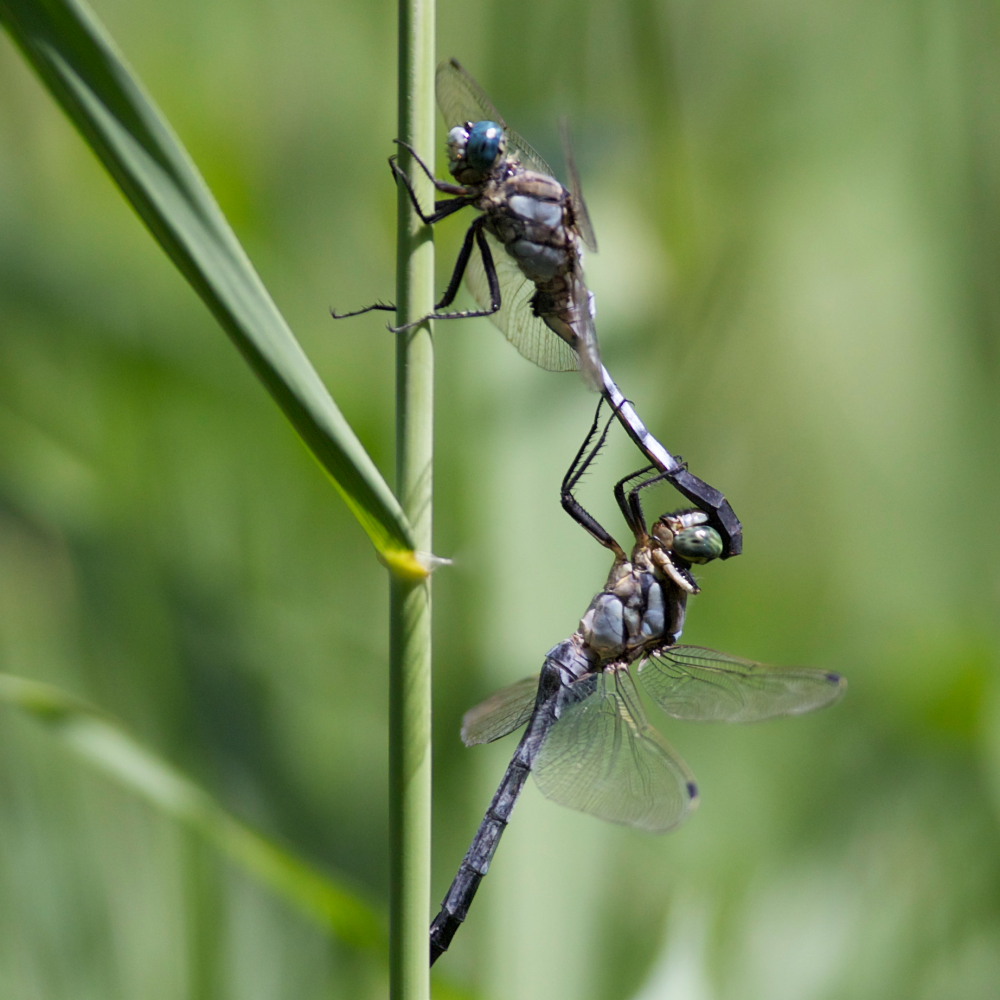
[[587, 350], [581, 215], [462, 100], [602, 757], [691, 682], [516, 318], [590, 354], [500, 714]]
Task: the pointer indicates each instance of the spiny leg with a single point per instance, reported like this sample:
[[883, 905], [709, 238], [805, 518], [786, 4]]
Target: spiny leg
[[474, 233], [629, 503], [581, 462], [442, 209]]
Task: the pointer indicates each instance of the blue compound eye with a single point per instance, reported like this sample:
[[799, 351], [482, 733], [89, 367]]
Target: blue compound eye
[[486, 144]]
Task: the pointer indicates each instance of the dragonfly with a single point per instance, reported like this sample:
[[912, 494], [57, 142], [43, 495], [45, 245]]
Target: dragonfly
[[587, 740], [522, 258]]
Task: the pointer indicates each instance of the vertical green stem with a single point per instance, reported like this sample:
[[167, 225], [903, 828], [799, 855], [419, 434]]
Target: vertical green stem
[[410, 604]]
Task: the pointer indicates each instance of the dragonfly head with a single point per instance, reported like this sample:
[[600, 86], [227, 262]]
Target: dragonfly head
[[682, 539], [474, 149], [688, 535]]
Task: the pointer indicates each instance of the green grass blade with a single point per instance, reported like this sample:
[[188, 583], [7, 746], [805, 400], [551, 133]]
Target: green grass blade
[[82, 69], [104, 742]]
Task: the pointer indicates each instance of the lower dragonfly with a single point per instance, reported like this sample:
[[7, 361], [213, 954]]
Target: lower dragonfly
[[527, 275], [587, 740]]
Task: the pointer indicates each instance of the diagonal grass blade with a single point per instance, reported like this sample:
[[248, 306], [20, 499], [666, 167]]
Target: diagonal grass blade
[[80, 66]]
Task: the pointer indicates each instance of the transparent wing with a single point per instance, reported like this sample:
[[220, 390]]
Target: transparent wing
[[691, 682], [587, 350], [462, 100], [516, 318], [580, 213], [500, 714], [602, 757]]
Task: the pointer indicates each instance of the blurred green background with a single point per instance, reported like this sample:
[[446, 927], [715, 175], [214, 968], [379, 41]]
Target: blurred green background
[[799, 212]]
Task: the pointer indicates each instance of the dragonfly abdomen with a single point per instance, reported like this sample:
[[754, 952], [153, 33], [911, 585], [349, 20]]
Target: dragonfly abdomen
[[455, 905]]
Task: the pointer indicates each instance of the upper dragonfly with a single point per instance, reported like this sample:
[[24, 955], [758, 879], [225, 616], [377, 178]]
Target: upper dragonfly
[[587, 740], [527, 271], [534, 285]]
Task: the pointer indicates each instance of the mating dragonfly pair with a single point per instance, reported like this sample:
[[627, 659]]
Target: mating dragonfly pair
[[587, 740], [522, 259]]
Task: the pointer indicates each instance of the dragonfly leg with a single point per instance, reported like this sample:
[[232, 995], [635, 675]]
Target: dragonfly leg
[[581, 461], [446, 186], [443, 208], [629, 504], [379, 306], [475, 235]]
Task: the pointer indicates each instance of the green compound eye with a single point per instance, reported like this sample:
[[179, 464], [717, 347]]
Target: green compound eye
[[698, 545]]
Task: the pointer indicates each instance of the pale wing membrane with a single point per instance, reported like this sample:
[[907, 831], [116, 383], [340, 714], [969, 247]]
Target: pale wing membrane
[[602, 757], [589, 354], [462, 100], [690, 682], [581, 215], [501, 714], [516, 318]]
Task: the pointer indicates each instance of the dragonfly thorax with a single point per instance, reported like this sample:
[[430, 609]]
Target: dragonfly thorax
[[475, 149], [630, 614], [527, 213]]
